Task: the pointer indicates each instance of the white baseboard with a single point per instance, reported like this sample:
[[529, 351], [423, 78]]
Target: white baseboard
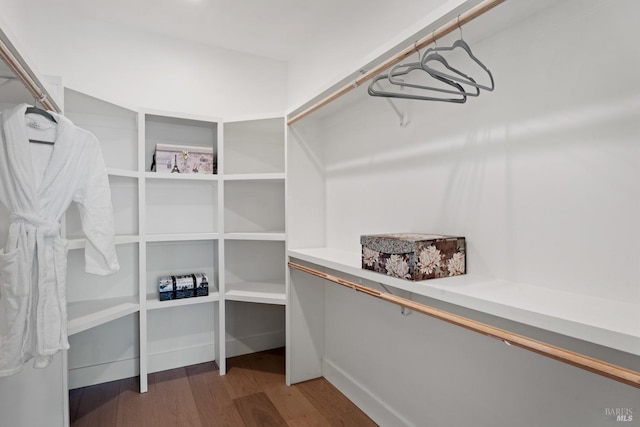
[[105, 372], [369, 403], [182, 357], [112, 371], [254, 343]]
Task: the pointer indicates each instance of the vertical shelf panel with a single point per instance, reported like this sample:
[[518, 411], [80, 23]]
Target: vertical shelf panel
[[220, 324], [142, 256]]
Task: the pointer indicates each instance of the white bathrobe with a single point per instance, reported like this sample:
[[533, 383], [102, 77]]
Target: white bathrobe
[[37, 184]]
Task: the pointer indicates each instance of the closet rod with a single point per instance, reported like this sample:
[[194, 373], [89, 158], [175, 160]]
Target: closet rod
[[460, 20], [582, 361], [36, 91]]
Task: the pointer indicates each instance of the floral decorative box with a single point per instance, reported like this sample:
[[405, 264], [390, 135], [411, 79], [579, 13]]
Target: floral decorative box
[[414, 256], [184, 159]]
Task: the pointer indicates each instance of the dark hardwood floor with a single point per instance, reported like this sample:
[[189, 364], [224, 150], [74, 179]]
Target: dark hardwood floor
[[252, 394]]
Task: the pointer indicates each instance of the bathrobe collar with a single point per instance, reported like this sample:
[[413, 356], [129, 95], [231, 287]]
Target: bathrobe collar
[[19, 153]]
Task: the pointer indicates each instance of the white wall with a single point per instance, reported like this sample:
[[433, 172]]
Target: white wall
[[540, 175], [139, 69], [13, 19], [492, 170], [354, 34], [542, 178]]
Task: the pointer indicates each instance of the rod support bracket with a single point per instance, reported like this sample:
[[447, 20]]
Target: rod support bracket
[[405, 311], [404, 117]]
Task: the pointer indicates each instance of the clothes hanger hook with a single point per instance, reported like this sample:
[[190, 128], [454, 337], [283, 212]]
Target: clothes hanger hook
[[460, 28]]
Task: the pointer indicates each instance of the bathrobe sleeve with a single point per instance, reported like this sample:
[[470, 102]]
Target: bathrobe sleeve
[[93, 197]]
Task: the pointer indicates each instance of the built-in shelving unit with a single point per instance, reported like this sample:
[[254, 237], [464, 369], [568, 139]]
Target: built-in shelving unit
[[95, 300], [169, 223], [253, 188], [181, 236], [103, 311]]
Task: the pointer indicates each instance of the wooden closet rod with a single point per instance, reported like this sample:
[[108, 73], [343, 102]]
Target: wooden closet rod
[[460, 20], [36, 91], [596, 366]]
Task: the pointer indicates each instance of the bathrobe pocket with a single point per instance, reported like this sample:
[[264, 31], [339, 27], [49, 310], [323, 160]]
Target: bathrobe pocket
[[12, 292], [14, 303]]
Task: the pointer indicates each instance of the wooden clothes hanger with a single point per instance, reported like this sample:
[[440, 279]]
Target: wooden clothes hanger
[[43, 113]]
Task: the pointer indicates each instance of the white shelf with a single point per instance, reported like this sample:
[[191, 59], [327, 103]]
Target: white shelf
[[267, 236], [80, 243], [83, 315], [154, 303], [123, 173], [178, 237], [255, 177], [76, 244], [258, 292], [178, 117], [181, 176], [605, 322]]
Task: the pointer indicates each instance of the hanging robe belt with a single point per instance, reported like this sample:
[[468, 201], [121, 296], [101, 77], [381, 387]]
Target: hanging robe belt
[[43, 227], [50, 251]]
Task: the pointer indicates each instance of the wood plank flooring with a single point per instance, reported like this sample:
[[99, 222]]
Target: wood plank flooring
[[252, 394]]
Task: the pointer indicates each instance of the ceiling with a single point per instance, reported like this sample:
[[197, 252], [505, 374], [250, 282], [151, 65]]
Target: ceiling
[[276, 29]]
